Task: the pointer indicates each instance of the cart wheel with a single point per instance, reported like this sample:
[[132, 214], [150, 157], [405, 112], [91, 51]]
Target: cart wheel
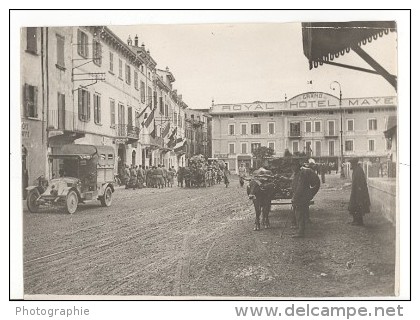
[[71, 202], [106, 200], [31, 201]]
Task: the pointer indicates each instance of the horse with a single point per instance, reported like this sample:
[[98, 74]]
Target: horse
[[261, 193]]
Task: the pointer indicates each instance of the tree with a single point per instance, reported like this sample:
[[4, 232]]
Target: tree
[[262, 153]]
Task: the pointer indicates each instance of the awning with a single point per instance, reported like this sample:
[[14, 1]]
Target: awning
[[324, 41]]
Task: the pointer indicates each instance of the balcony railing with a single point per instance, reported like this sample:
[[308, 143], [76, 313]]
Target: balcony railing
[[127, 131], [331, 134], [295, 134]]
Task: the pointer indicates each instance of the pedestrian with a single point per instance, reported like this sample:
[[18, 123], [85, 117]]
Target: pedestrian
[[126, 176], [140, 176], [165, 176], [242, 174], [171, 175], [307, 187], [323, 170], [226, 172], [133, 177], [147, 176], [295, 179], [359, 197], [180, 176], [159, 177]]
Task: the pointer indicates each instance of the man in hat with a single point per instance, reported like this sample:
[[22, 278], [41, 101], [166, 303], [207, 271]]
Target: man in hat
[[242, 174], [359, 197], [307, 186]]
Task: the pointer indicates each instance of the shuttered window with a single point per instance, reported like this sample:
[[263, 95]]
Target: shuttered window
[[111, 62], [127, 74], [97, 108], [142, 92], [30, 101], [84, 104], [60, 51], [97, 53], [136, 80], [31, 40], [112, 110]]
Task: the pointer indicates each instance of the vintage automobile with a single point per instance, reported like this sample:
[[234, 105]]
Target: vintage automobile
[[86, 174]]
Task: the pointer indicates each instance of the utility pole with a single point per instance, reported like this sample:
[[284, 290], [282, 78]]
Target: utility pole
[[342, 175]]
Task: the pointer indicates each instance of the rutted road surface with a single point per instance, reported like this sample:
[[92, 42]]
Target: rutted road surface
[[199, 242]]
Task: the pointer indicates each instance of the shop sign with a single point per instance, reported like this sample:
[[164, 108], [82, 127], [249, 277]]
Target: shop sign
[[221, 155], [121, 141], [25, 130]]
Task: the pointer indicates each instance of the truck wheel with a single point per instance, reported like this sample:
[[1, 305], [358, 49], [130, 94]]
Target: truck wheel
[[31, 201], [71, 202], [106, 200]]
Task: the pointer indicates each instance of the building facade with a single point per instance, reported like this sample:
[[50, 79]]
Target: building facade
[[196, 132], [309, 123], [85, 85]]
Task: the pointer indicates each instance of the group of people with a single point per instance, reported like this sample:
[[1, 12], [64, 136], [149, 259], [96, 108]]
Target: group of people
[[305, 185], [153, 177]]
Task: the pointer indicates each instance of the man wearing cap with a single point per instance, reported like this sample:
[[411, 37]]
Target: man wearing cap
[[359, 197], [307, 186]]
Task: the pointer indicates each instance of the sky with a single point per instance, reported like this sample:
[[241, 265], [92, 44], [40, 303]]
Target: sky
[[239, 63]]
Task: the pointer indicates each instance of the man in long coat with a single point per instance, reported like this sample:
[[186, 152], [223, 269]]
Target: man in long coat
[[359, 197], [306, 188]]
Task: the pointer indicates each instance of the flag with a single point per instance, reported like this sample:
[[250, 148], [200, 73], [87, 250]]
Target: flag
[[166, 130], [149, 119]]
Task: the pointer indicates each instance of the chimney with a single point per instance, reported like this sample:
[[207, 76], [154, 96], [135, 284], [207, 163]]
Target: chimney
[[129, 41], [142, 45], [136, 41], [167, 68], [148, 52]]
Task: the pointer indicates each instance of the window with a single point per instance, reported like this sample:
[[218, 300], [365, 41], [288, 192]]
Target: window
[[295, 146], [271, 145], [97, 52], [97, 108], [127, 74], [60, 51], [348, 145], [372, 124], [61, 107], [161, 106], [388, 143], [231, 129], [331, 127], [317, 148], [255, 145], [331, 145], [308, 148], [111, 62], [350, 125], [243, 148], [30, 101], [136, 80], [295, 129], [308, 126], [371, 145], [82, 44], [142, 68], [149, 97], [167, 111], [112, 110], [231, 148], [84, 104], [142, 91], [243, 128], [130, 116], [31, 40], [317, 125], [256, 128], [271, 128], [120, 67]]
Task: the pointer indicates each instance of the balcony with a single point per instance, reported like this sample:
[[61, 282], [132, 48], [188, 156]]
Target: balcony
[[127, 131], [331, 134], [295, 134], [65, 124]]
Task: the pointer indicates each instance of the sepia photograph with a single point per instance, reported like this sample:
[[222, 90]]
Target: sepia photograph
[[210, 161]]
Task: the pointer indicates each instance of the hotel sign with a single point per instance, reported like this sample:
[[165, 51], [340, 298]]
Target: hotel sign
[[310, 100]]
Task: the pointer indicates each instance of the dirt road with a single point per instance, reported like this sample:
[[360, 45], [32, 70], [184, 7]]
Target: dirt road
[[199, 242]]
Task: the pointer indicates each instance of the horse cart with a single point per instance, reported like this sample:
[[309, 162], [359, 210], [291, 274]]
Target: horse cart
[[86, 173]]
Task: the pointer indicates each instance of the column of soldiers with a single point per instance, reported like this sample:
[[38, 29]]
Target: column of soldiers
[[137, 177]]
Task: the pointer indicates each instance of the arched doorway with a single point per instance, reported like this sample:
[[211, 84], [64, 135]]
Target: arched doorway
[[133, 158]]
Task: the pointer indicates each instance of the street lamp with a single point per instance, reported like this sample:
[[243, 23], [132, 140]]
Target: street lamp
[[341, 127]]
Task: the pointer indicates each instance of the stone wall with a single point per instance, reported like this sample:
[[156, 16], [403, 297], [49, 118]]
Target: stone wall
[[383, 197]]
